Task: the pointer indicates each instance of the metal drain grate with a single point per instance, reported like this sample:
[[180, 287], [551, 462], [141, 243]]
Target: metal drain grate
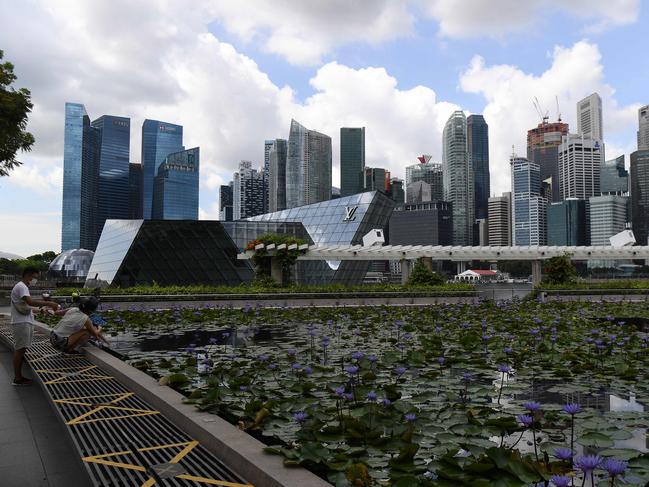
[[122, 440]]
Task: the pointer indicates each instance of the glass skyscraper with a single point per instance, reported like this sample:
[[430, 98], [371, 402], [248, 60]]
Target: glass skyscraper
[[458, 178], [566, 223], [80, 180], [159, 139], [352, 160], [175, 187], [528, 206], [543, 148], [308, 166], [248, 191], [277, 175], [431, 173], [114, 135], [135, 190], [614, 178], [478, 150], [640, 195], [226, 208]]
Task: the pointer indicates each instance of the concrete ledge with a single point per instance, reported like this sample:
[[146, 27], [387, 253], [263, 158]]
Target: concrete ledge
[[238, 450]]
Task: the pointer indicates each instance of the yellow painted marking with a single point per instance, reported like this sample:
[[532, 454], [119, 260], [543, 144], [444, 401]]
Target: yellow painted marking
[[162, 447], [60, 369], [148, 483], [209, 481], [185, 451], [110, 405], [65, 380], [97, 396], [112, 418]]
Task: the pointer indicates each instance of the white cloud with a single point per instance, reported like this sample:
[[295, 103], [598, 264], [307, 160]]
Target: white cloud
[[477, 18], [575, 72], [31, 233]]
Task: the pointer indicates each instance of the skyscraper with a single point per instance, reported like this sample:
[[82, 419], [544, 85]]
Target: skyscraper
[[607, 217], [226, 209], [580, 158], [135, 190], [543, 149], [478, 150], [375, 178], [500, 220], [614, 178], [248, 191], [159, 139], [528, 206], [114, 135], [352, 160], [80, 180], [566, 223], [397, 194], [589, 118], [175, 188], [643, 128], [266, 171], [418, 192], [458, 178], [639, 170], [308, 167], [277, 175], [430, 172]]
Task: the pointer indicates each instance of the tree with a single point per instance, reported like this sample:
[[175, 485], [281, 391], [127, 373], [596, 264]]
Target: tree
[[422, 276], [14, 107], [559, 270]]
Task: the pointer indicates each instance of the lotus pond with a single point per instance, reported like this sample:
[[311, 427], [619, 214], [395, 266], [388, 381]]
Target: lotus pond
[[507, 394]]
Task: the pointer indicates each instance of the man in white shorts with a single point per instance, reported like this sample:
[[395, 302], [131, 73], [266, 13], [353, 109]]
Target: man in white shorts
[[22, 320]]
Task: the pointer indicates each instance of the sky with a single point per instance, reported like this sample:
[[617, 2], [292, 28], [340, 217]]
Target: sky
[[234, 74]]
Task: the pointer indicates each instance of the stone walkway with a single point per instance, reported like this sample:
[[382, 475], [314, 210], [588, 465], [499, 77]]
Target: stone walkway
[[35, 449]]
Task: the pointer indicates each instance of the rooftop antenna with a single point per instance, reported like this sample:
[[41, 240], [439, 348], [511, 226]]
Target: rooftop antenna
[[558, 111]]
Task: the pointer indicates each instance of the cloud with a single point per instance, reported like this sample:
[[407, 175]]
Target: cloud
[[31, 233], [494, 18], [575, 72]]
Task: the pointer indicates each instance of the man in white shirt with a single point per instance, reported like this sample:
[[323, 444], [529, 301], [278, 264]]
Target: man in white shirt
[[22, 320]]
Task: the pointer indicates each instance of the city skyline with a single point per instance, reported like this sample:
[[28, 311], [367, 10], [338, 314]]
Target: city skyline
[[354, 76]]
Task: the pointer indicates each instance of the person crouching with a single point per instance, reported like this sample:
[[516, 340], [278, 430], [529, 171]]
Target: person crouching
[[76, 328]]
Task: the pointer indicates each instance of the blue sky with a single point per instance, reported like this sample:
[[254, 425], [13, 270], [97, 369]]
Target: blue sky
[[235, 73]]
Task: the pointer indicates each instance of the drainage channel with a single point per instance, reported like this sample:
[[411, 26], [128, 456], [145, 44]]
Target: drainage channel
[[122, 440]]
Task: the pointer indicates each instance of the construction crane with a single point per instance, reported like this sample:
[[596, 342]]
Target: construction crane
[[543, 116], [558, 111]]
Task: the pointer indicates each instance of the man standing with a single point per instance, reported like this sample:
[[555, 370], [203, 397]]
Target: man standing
[[22, 320]]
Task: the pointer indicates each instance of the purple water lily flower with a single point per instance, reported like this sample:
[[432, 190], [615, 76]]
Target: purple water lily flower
[[348, 396], [467, 376], [339, 391], [588, 463], [400, 371], [386, 402], [560, 480], [300, 417], [307, 370], [532, 406], [358, 355], [371, 396], [291, 353], [372, 358], [614, 467], [563, 453], [410, 417], [505, 369], [525, 419], [507, 349], [243, 388], [572, 409], [272, 366], [351, 370], [296, 366], [441, 360]]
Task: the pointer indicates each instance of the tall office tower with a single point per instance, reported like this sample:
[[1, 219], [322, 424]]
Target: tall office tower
[[352, 160], [428, 223], [397, 193], [374, 179], [418, 192], [114, 135], [80, 180], [226, 207], [543, 149], [135, 190], [528, 206], [643, 128], [580, 158], [175, 188], [478, 150], [458, 178], [614, 178], [499, 215], [589, 118], [566, 223], [266, 171], [277, 175], [607, 217], [430, 172], [308, 167], [639, 170], [248, 191], [159, 139]]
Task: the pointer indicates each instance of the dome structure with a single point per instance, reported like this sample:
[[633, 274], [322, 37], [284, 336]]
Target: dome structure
[[72, 265], [9, 255]]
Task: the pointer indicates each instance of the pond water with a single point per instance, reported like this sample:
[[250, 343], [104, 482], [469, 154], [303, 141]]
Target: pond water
[[422, 396]]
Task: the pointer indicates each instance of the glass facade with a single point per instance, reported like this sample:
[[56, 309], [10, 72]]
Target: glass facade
[[607, 217], [430, 173], [114, 135], [308, 166], [71, 265], [458, 178], [352, 160], [159, 139], [225, 203], [135, 190], [640, 195], [567, 223], [175, 188], [528, 207], [277, 175], [543, 149], [80, 180], [614, 178], [132, 252], [343, 221], [478, 150], [422, 224], [248, 191]]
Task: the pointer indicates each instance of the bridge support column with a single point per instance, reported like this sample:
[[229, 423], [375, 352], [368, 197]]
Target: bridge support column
[[276, 271], [537, 275], [428, 262], [461, 267], [405, 271]]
